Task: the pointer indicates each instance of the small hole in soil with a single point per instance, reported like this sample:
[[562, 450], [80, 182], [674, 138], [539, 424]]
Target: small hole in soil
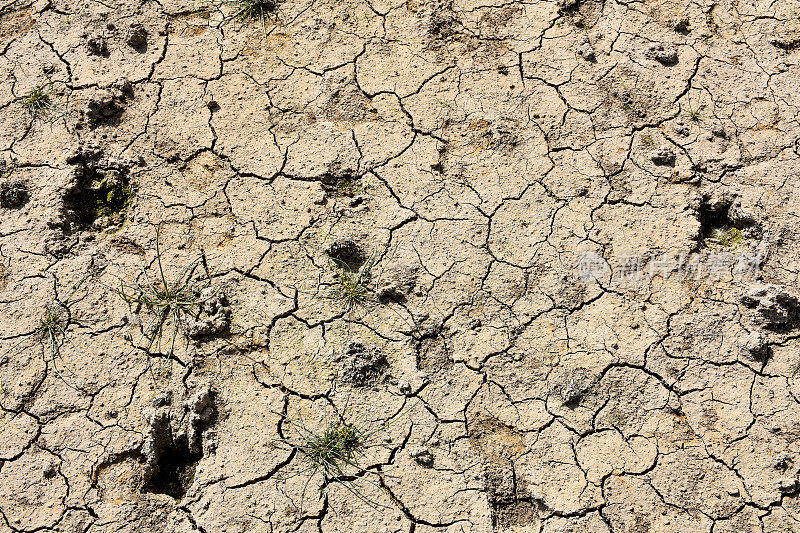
[[713, 218], [175, 470], [100, 192], [717, 225], [13, 195]]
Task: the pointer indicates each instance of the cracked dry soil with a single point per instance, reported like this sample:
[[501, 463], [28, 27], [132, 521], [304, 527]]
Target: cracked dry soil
[[399, 266]]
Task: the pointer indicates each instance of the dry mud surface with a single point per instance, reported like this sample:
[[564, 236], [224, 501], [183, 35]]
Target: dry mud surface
[[533, 264]]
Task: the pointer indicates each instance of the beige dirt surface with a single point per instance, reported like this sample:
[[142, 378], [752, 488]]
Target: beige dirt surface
[[447, 266]]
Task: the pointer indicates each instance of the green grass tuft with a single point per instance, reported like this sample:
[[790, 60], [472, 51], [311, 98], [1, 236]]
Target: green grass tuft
[[351, 289], [335, 449], [254, 9], [168, 301], [729, 237], [39, 101]]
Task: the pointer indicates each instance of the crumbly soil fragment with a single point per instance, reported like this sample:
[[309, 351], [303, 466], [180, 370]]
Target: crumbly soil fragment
[[539, 258]]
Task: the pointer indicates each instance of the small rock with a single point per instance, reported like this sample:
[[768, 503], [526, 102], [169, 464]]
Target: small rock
[[664, 156], [404, 386], [718, 131], [136, 36], [664, 53]]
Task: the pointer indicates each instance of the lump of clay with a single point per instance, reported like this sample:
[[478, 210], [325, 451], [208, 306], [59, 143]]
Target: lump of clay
[[664, 53], [443, 25], [200, 407], [754, 346], [681, 25], [396, 284], [101, 105], [664, 156], [574, 385], [97, 46], [137, 36], [500, 484], [13, 194], [586, 51], [214, 316], [774, 307], [568, 5], [106, 103], [346, 252], [423, 458], [100, 190], [159, 435], [501, 136], [362, 365]]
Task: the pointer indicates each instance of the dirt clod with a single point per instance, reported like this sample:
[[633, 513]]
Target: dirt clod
[[664, 156], [664, 53], [774, 306], [100, 188], [213, 318], [361, 365]]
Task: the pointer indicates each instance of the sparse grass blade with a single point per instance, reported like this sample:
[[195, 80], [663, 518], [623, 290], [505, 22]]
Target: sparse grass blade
[[168, 301], [51, 333]]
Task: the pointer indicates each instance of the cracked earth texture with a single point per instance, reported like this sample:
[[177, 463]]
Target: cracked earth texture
[[466, 156]]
